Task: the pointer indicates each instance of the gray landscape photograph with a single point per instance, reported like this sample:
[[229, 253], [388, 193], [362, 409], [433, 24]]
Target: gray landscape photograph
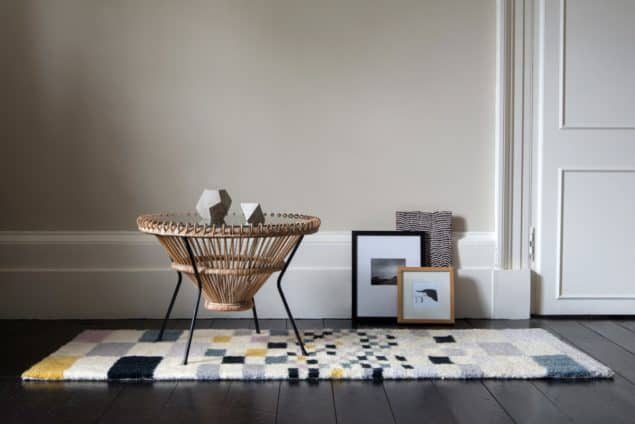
[[383, 271]]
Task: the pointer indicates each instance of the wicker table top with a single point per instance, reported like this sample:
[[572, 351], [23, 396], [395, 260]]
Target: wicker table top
[[192, 225]]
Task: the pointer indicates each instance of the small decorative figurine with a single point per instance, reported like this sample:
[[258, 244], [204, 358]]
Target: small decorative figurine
[[253, 213], [213, 205]]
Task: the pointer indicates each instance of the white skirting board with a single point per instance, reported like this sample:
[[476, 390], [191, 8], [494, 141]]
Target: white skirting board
[[61, 275]]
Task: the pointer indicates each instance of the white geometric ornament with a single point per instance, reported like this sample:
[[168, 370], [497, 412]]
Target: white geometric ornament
[[253, 213], [213, 205]]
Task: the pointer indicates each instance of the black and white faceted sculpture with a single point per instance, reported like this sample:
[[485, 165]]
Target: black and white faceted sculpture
[[213, 205], [253, 213]]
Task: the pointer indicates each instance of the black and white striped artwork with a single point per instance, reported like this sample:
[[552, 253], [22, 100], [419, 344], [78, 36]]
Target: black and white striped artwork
[[438, 229]]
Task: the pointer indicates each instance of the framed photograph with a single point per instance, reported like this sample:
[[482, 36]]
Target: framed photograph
[[425, 295], [377, 255]]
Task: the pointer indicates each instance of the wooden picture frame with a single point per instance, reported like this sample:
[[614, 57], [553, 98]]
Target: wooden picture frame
[[400, 295], [358, 315]]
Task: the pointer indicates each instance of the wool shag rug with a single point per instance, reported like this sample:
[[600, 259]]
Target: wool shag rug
[[369, 354]]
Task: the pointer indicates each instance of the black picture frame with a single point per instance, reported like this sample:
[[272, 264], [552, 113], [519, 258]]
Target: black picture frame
[[354, 235]]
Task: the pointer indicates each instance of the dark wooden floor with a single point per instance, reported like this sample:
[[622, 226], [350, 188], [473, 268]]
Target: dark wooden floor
[[489, 401]]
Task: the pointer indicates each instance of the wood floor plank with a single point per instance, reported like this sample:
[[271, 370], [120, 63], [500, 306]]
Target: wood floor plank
[[273, 324], [231, 323], [614, 332], [12, 326], [251, 402], [381, 324], [593, 401], [114, 324], [184, 324], [415, 402], [23, 349], [459, 324], [125, 324], [87, 401], [500, 324], [57, 402], [307, 324], [196, 402], [138, 402], [627, 323], [8, 390], [306, 402], [30, 326], [599, 347], [338, 323], [361, 402], [522, 400], [347, 323], [34, 402], [469, 400], [525, 403]]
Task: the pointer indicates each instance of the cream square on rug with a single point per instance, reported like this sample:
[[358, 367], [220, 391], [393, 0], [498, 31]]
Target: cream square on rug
[[364, 354]]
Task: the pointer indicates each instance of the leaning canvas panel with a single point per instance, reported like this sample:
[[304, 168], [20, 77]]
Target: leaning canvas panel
[[438, 228]]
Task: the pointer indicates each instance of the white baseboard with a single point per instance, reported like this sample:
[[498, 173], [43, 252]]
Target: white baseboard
[[126, 275], [512, 294]]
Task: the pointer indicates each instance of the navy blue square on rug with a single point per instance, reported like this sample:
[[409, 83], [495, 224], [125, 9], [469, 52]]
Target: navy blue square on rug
[[233, 359], [444, 339], [439, 360], [134, 367]]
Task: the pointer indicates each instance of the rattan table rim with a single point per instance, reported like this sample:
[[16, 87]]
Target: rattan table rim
[[167, 224]]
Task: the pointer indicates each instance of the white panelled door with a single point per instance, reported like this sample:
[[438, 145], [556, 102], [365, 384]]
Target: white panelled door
[[584, 159]]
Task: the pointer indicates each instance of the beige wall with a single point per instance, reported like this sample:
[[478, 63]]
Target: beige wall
[[348, 109]]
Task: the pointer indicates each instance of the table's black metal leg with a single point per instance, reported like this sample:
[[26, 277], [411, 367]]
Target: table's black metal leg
[[167, 315], [198, 299], [284, 300], [253, 309]]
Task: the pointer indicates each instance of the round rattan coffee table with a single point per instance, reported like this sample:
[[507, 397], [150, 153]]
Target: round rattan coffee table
[[228, 263]]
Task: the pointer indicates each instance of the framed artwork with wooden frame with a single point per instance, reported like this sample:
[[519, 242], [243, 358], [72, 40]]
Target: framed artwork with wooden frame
[[425, 295]]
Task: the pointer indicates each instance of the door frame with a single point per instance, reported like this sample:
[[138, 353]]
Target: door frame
[[514, 129]]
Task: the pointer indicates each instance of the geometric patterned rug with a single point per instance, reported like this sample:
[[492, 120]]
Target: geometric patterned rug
[[366, 354]]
